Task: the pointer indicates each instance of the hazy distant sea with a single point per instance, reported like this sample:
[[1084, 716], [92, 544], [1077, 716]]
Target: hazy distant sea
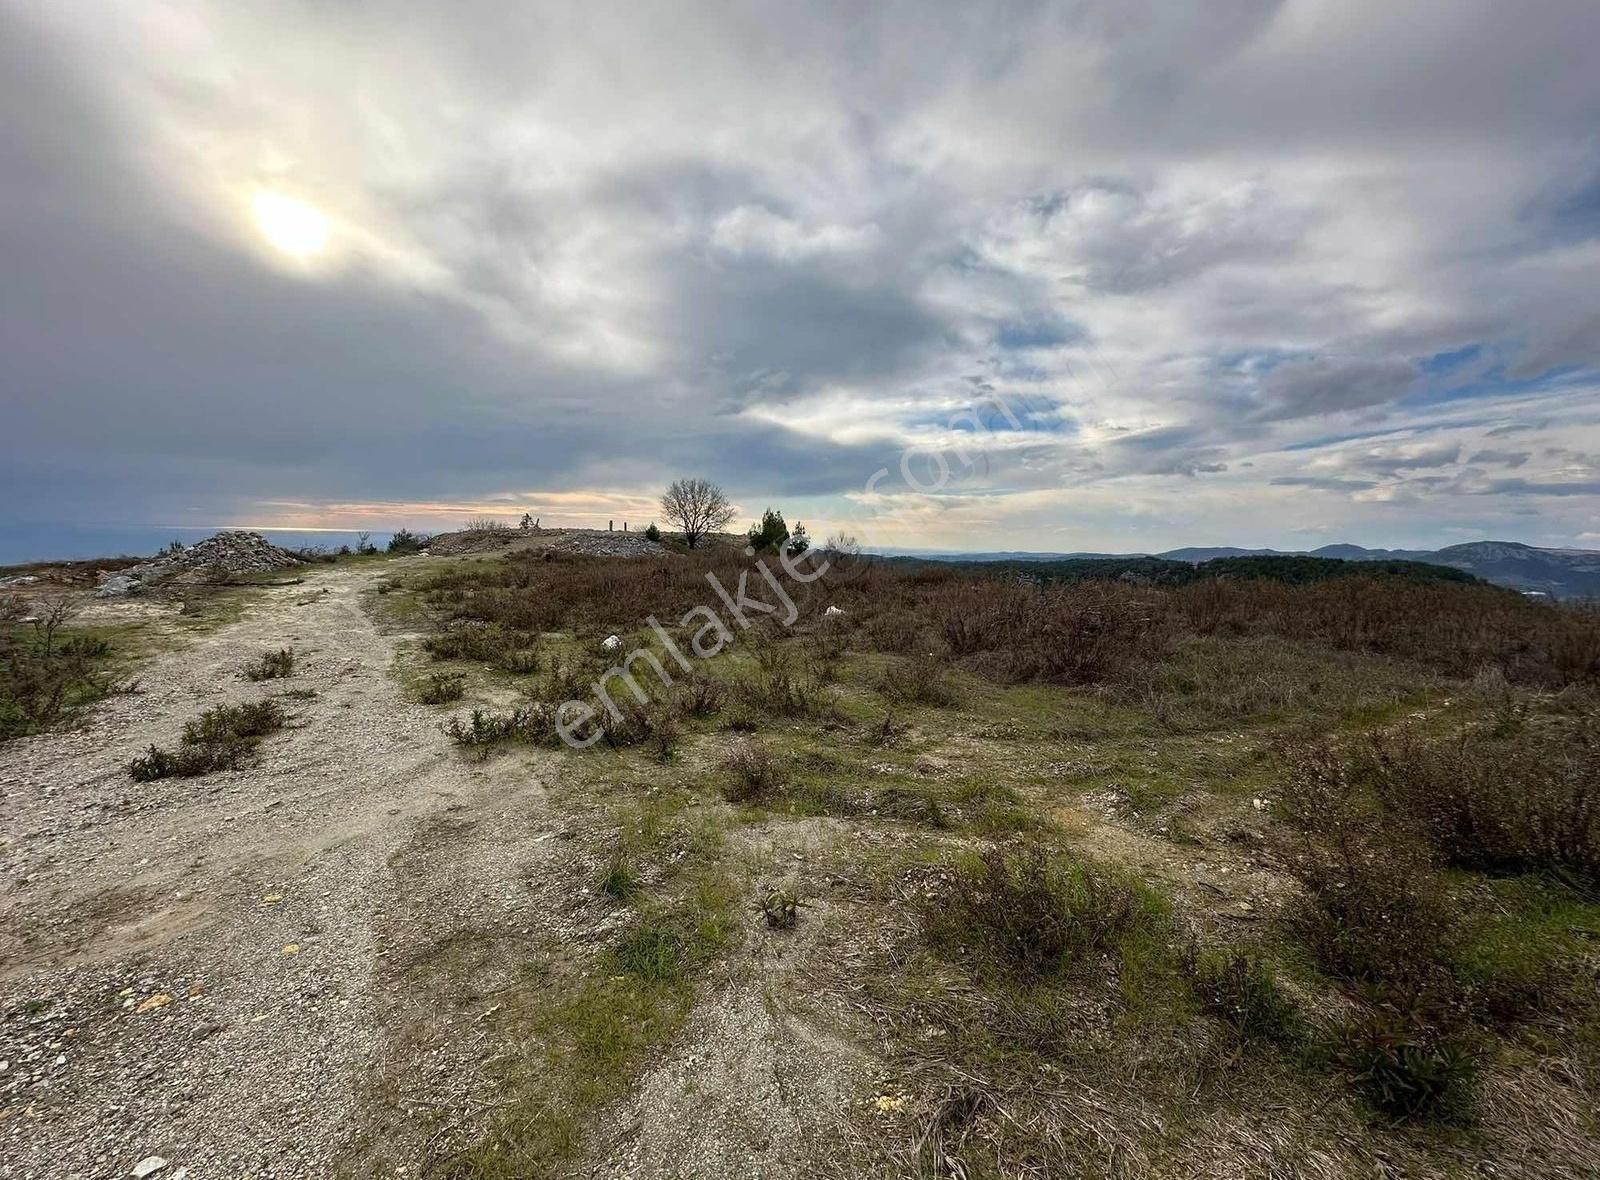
[[41, 542]]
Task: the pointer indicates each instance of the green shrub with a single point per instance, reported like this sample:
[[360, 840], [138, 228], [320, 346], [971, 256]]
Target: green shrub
[[482, 730], [221, 738], [405, 541], [1405, 1063], [1032, 913], [1238, 989], [272, 665], [769, 533], [44, 674], [441, 688], [510, 651]]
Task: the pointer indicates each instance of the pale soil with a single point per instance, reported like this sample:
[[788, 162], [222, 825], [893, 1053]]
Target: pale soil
[[332, 926]]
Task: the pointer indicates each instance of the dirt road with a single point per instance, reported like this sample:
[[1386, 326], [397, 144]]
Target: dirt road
[[187, 963]]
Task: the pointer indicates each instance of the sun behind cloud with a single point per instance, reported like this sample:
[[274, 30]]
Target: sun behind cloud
[[292, 226]]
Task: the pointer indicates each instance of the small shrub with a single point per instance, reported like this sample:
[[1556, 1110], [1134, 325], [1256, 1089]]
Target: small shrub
[[188, 761], [1404, 1063], [533, 724], [272, 665], [1033, 913], [441, 688], [887, 732], [1238, 989], [775, 689], [664, 734], [248, 721], [700, 695], [641, 724], [651, 533], [221, 738], [45, 676], [920, 679], [781, 908], [1372, 909], [489, 643], [750, 773], [405, 541]]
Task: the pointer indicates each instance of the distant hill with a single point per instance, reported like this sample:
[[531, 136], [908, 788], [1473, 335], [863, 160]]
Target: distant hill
[[1199, 555], [1294, 568], [1357, 553], [1560, 573]]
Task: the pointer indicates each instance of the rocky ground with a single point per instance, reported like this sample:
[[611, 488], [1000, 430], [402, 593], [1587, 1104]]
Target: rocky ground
[[187, 962], [272, 972], [592, 542]]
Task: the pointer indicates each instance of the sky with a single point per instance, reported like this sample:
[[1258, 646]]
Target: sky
[[968, 276]]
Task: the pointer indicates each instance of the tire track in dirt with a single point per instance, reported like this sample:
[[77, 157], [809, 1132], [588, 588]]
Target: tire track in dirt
[[188, 963]]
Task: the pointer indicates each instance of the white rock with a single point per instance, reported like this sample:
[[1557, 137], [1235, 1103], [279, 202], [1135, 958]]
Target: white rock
[[832, 612], [612, 643], [116, 586], [149, 1166]]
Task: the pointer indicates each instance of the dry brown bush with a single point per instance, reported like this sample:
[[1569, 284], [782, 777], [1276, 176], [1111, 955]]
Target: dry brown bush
[[1079, 633]]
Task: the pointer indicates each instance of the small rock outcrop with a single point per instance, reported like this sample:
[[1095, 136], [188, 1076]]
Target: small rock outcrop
[[240, 552]]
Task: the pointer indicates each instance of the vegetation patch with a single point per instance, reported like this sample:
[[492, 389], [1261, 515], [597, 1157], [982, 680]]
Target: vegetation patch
[[222, 738], [1511, 795], [441, 688], [1239, 989], [1032, 912], [271, 665], [48, 671]]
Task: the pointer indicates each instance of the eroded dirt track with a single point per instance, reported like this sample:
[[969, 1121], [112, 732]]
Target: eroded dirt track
[[187, 963]]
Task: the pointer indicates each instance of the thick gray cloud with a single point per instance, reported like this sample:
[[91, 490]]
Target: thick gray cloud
[[573, 252], [1501, 458], [1301, 389]]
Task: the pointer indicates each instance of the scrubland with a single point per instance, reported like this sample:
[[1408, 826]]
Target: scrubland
[[921, 873], [1236, 877]]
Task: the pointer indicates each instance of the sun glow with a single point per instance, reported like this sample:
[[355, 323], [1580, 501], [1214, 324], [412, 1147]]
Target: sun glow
[[292, 226]]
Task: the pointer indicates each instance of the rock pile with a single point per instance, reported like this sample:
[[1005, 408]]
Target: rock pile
[[232, 552], [594, 542], [609, 544]]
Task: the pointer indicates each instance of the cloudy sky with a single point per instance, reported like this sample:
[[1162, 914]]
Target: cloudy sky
[[1085, 275]]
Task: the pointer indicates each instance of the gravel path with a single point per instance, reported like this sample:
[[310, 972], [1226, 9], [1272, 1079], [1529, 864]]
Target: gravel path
[[187, 964]]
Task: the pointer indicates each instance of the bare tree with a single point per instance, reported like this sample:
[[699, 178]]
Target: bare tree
[[697, 507]]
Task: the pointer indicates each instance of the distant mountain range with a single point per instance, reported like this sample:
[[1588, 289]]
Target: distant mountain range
[[1560, 573]]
